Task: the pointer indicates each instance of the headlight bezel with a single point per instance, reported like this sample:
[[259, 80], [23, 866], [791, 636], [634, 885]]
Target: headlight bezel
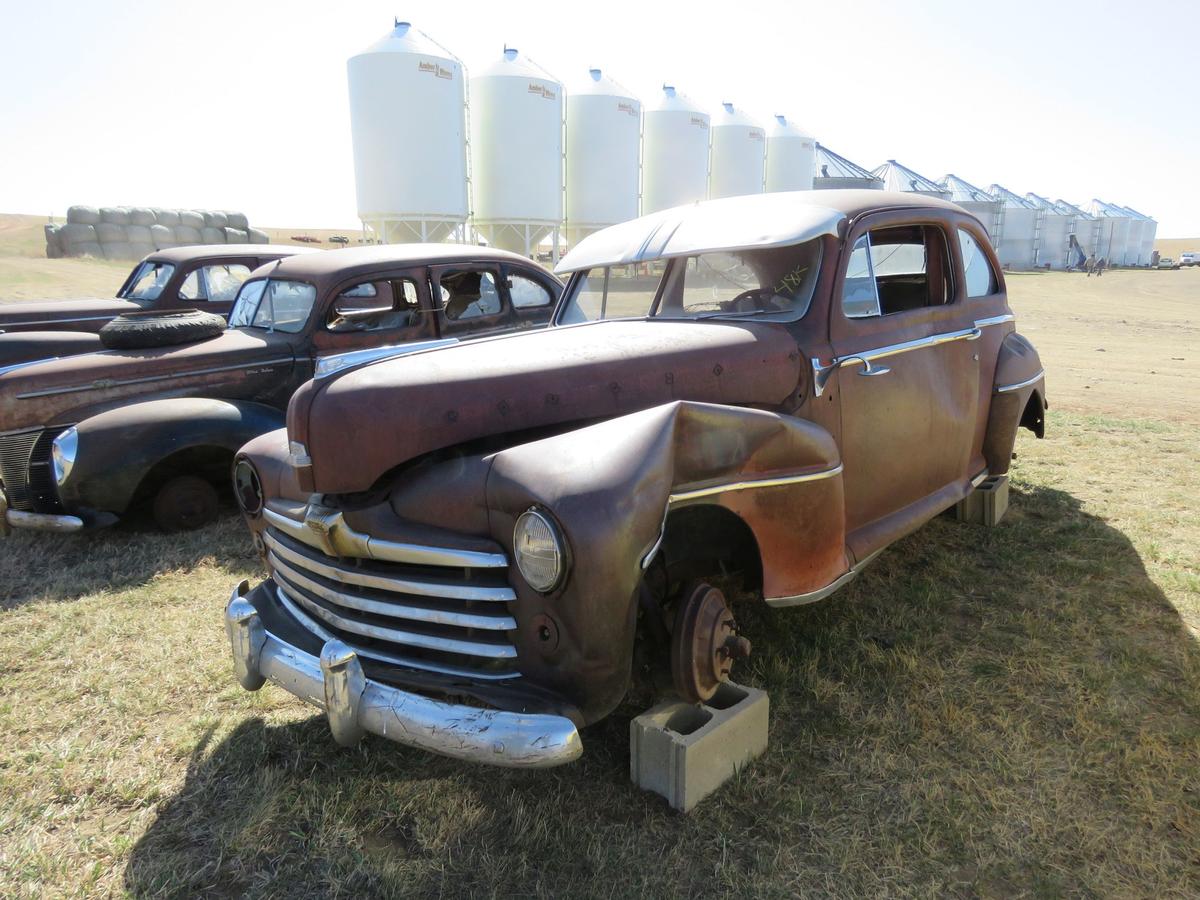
[[64, 450], [254, 483], [538, 517]]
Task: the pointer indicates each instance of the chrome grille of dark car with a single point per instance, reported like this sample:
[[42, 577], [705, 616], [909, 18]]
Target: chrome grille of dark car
[[451, 621], [25, 469]]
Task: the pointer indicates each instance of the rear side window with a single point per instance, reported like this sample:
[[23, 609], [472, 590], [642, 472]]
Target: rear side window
[[376, 306], [977, 270], [527, 293], [896, 269], [470, 294]]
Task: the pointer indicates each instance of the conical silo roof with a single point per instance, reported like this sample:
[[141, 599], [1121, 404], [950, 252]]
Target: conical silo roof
[[830, 165], [896, 177], [962, 191], [1070, 209], [1011, 200], [1102, 210]]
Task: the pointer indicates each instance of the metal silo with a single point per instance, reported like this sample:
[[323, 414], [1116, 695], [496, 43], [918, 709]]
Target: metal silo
[[1149, 230], [1022, 222], [833, 171], [896, 177], [1084, 226], [604, 133], [739, 154], [791, 157], [977, 201], [408, 189], [1112, 242], [674, 152], [1054, 236], [516, 113]]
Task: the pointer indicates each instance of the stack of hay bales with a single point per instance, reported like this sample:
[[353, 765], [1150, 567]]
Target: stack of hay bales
[[131, 232]]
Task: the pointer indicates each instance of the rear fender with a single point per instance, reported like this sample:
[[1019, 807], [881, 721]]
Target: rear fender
[[117, 449], [1018, 398]]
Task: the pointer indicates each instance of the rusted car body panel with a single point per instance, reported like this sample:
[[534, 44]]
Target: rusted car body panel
[[650, 447]]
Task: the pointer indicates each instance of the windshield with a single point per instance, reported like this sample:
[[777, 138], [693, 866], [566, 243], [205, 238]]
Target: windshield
[[274, 305], [148, 281], [777, 283]]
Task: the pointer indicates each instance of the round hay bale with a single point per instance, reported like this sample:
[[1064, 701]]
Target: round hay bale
[[162, 236], [214, 218], [108, 233], [237, 220], [117, 251], [236, 236], [141, 215], [114, 215], [258, 236], [141, 248], [87, 248], [83, 215], [77, 233], [138, 234], [50, 231], [53, 251], [212, 235], [191, 218], [186, 234], [168, 217]]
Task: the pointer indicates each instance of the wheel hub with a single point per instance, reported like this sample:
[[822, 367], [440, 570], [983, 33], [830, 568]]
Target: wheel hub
[[704, 643]]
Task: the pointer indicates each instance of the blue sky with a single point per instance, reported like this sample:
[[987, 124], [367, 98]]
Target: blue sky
[[243, 105]]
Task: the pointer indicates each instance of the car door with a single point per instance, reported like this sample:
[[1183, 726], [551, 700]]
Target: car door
[[906, 376]]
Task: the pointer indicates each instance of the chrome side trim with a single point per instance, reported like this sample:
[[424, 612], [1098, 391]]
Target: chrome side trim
[[822, 593], [1004, 389], [683, 496], [407, 638], [393, 610], [823, 371], [420, 664], [995, 320], [356, 704], [395, 585], [105, 383], [325, 530], [339, 362]]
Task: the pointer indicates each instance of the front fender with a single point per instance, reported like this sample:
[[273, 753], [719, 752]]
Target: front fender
[[609, 486], [27, 346], [1020, 380], [117, 449]]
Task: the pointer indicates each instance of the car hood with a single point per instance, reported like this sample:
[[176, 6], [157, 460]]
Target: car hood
[[78, 315], [27, 346], [359, 425], [43, 393]]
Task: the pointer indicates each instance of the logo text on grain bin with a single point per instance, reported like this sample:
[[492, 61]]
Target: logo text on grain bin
[[696, 120], [542, 89], [433, 68], [627, 108]]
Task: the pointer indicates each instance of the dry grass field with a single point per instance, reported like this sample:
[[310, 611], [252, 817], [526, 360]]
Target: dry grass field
[[997, 712]]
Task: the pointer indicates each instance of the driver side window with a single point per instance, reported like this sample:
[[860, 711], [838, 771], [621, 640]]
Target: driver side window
[[896, 269], [375, 306]]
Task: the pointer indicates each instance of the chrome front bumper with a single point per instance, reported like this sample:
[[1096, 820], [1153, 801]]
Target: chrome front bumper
[[15, 518], [355, 705]]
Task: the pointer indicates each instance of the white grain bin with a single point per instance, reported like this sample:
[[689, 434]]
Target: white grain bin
[[1138, 226], [739, 154], [986, 208], [1054, 235], [791, 157], [1084, 226], [674, 152], [407, 121], [833, 171], [1019, 239], [516, 116], [604, 133], [1112, 242], [1149, 230], [896, 177]]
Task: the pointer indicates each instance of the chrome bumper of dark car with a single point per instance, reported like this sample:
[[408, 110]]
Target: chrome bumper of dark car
[[356, 705], [15, 518]]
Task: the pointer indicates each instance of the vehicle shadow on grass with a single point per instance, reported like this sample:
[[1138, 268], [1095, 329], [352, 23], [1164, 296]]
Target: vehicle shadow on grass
[[985, 711], [61, 567]]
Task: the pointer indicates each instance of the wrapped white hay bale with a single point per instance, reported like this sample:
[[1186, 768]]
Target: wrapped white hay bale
[[236, 235], [108, 233], [117, 251], [83, 215], [258, 236], [214, 218], [191, 219], [138, 234], [212, 235], [87, 248], [53, 247], [141, 215], [114, 215], [162, 236], [168, 217], [186, 235], [237, 220], [74, 233]]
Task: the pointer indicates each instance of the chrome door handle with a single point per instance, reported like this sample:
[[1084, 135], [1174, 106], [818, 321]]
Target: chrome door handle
[[868, 370], [976, 334]]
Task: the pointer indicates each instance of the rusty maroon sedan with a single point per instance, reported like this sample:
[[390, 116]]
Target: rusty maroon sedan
[[467, 545]]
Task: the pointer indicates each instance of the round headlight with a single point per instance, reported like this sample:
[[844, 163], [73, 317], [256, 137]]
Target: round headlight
[[247, 487], [539, 550], [62, 454]]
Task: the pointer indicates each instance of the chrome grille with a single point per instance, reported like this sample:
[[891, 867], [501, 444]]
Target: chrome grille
[[25, 469], [453, 621]]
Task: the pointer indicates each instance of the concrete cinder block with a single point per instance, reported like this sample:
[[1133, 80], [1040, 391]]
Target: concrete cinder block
[[685, 751], [987, 504]]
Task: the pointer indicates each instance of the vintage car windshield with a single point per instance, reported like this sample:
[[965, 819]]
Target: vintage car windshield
[[148, 281], [776, 283], [274, 305]]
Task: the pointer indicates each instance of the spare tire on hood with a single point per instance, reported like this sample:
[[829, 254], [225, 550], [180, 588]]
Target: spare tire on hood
[[139, 330]]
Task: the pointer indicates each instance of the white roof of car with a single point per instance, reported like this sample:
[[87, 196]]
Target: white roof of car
[[733, 223]]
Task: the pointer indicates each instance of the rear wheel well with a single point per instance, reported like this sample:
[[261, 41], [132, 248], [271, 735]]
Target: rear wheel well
[[1034, 415], [706, 540], [213, 464]]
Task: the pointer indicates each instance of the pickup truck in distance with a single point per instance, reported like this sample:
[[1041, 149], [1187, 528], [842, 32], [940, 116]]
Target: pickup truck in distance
[[202, 277], [467, 544], [85, 439]]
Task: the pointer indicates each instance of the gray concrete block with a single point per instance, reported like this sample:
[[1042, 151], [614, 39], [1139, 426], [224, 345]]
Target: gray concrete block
[[685, 751], [987, 504]]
